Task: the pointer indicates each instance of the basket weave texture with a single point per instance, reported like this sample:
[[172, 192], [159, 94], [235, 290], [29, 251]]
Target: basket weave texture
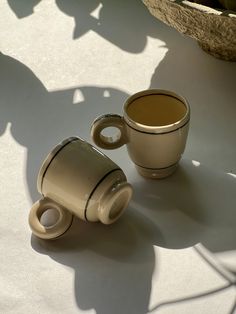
[[214, 29]]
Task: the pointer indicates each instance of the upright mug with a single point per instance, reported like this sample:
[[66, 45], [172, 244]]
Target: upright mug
[[78, 179], [154, 127]]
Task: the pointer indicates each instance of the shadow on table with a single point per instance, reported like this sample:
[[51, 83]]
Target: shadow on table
[[204, 295], [113, 265], [23, 8], [126, 23], [228, 278], [116, 21], [195, 204]]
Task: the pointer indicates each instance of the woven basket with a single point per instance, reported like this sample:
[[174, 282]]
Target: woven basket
[[214, 29]]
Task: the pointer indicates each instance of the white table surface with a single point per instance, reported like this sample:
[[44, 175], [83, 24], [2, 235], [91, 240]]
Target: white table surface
[[62, 64]]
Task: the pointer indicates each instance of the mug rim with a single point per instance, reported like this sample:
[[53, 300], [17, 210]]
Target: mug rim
[[144, 128], [49, 158]]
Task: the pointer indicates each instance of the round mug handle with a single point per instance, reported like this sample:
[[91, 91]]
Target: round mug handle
[[105, 121], [60, 227]]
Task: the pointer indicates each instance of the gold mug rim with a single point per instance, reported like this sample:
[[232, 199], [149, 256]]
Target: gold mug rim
[[156, 129]]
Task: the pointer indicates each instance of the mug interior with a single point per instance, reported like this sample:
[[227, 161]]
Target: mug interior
[[156, 109]]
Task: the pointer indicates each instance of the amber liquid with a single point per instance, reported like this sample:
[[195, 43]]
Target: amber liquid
[[156, 110]]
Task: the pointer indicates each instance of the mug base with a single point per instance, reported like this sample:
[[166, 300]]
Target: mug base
[[159, 173]]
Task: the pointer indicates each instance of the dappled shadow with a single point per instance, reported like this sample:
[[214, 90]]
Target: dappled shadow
[[113, 265], [195, 204], [23, 8], [228, 286], [191, 298], [126, 23]]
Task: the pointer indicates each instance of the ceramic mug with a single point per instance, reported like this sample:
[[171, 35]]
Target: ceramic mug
[[76, 178], [154, 127]]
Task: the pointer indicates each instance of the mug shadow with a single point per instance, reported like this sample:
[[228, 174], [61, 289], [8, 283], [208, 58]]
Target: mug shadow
[[194, 205], [113, 265]]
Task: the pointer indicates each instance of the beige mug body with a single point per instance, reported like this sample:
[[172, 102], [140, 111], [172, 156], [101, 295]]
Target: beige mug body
[[154, 127], [77, 179]]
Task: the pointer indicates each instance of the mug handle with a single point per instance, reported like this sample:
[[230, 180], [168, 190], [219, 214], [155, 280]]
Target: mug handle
[[60, 227], [105, 121]]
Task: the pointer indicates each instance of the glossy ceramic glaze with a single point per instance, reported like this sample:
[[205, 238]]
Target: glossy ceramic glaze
[[78, 179], [154, 127]]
